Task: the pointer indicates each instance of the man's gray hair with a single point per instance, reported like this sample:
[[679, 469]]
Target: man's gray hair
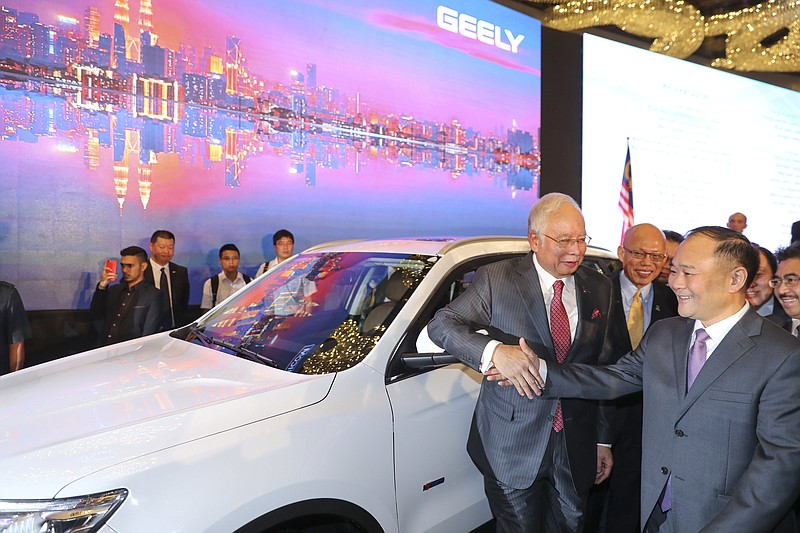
[[547, 205]]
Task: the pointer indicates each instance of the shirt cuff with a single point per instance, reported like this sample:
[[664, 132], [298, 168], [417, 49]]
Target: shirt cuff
[[604, 445], [486, 357]]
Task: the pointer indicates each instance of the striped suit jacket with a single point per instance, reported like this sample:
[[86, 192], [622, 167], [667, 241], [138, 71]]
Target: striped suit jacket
[[509, 432]]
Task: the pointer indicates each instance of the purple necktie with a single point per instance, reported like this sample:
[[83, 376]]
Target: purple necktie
[[562, 339], [697, 358]]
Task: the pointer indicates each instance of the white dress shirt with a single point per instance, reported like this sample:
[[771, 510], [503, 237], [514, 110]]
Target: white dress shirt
[[226, 288]]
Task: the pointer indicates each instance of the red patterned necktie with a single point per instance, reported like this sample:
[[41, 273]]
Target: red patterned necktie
[[559, 329]]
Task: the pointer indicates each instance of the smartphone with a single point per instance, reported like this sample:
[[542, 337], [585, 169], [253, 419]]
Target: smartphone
[[111, 264]]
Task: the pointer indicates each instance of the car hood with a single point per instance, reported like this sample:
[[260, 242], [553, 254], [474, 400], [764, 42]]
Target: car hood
[[66, 419]]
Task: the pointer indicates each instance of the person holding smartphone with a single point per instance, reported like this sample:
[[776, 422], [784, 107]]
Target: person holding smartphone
[[132, 308]]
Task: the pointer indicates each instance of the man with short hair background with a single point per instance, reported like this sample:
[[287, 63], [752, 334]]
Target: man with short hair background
[[737, 222], [673, 240], [283, 243], [786, 285], [760, 294], [132, 308], [163, 271], [228, 281]]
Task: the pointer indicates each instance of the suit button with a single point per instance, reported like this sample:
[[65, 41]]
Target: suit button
[[664, 470], [680, 433], [550, 418]]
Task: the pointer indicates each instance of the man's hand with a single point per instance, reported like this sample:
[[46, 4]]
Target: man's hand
[[605, 461], [517, 366]]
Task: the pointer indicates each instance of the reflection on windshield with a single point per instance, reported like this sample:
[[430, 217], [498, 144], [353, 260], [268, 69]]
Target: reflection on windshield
[[317, 313]]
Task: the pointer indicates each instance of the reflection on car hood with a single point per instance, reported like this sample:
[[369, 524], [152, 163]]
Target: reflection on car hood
[[69, 418]]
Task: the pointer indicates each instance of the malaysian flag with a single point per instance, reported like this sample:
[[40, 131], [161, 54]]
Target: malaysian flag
[[626, 197]]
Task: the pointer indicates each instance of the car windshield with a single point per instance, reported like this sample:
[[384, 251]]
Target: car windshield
[[316, 313]]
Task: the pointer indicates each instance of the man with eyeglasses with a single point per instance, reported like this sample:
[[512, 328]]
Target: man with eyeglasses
[[787, 287], [538, 459], [636, 303], [760, 293]]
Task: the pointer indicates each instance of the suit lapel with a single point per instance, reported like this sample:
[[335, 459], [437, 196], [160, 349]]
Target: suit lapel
[[582, 295], [680, 354], [528, 284], [664, 303], [587, 306], [620, 326], [735, 344]]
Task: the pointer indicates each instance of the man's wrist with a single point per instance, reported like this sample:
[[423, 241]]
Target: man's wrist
[[488, 355]]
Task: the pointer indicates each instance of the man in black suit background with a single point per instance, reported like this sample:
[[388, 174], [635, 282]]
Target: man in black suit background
[[176, 277], [538, 459], [132, 308], [786, 285], [636, 303], [760, 295]]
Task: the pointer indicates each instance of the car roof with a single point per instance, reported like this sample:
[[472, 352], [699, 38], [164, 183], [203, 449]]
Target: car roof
[[438, 245]]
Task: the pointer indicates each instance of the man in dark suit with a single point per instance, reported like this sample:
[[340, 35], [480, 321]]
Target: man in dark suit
[[132, 308], [636, 303], [163, 272], [538, 459], [721, 446], [787, 290], [760, 294], [14, 329]]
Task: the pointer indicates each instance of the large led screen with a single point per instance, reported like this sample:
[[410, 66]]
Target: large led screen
[[704, 144], [224, 121]]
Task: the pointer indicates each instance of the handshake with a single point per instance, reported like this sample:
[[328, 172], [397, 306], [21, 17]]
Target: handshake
[[518, 366]]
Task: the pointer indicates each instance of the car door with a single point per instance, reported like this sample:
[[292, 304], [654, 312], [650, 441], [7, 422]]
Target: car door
[[438, 487]]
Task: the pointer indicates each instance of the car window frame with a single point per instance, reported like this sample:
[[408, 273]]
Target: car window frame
[[395, 369]]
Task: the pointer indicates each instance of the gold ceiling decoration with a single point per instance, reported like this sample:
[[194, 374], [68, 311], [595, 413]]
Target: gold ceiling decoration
[[678, 28], [747, 28]]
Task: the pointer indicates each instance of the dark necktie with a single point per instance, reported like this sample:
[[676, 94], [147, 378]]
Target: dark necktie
[[559, 329], [163, 284], [697, 358]]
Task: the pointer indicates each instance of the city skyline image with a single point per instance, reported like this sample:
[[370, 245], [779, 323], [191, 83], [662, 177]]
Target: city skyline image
[[225, 122]]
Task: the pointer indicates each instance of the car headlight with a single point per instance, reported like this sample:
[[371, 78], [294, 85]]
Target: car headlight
[[79, 514]]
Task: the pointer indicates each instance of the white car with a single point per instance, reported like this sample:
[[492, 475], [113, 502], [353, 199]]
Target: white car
[[300, 403]]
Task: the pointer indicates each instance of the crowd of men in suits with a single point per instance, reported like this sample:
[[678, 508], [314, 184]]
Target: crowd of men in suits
[[153, 294], [623, 404]]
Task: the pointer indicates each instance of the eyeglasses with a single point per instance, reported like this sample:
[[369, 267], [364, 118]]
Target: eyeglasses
[[789, 281], [566, 243], [639, 255]]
